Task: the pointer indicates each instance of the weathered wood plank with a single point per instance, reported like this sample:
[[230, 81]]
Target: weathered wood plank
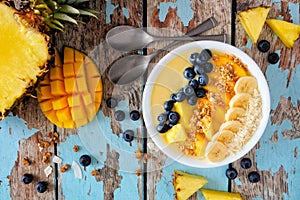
[[175, 18], [275, 156], [18, 142], [103, 137]]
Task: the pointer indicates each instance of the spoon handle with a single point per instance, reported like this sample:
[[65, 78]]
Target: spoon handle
[[204, 26]]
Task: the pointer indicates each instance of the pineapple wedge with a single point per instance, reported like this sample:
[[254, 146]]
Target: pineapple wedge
[[175, 134], [286, 31], [253, 21], [186, 184], [220, 195], [23, 58]]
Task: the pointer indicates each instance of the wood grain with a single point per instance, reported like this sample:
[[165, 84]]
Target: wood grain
[[90, 39], [174, 25], [273, 184], [29, 148]]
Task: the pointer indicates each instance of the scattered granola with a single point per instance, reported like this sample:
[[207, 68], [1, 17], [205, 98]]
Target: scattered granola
[[26, 161], [75, 148]]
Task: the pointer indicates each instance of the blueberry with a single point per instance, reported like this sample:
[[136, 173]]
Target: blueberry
[[180, 96], [162, 128], [27, 178], [173, 117], [194, 83], [189, 73], [254, 177], [208, 67], [199, 69], [119, 115], [273, 58], [192, 100], [246, 163], [188, 90], [200, 92], [193, 57], [168, 105], [128, 135], [205, 55], [231, 173], [173, 97], [162, 118], [203, 79], [111, 102], [263, 46], [41, 186], [134, 115], [85, 160]]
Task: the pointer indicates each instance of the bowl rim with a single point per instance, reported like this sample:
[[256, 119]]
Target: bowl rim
[[169, 149]]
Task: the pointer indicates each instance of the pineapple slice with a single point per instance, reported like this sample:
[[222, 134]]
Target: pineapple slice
[[286, 31], [186, 184], [23, 57], [253, 21], [218, 195], [75, 89], [175, 134]]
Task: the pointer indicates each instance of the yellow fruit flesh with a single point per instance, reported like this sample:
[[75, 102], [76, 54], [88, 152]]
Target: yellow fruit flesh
[[220, 195], [175, 134], [187, 184], [253, 21], [75, 98], [23, 53], [286, 31]]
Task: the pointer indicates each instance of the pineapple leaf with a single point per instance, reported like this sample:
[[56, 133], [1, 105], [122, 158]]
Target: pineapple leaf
[[57, 22], [61, 1], [53, 26], [91, 11], [69, 9], [87, 13], [64, 17], [71, 1], [51, 4], [80, 2]]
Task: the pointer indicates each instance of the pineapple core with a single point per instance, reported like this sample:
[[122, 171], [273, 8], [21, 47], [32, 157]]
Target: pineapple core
[[23, 54]]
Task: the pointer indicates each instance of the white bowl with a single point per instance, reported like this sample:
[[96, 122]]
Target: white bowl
[[172, 150]]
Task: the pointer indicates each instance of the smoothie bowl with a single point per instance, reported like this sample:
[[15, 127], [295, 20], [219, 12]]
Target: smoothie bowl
[[206, 104]]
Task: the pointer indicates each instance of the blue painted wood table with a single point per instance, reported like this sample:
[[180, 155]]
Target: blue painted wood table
[[120, 170]]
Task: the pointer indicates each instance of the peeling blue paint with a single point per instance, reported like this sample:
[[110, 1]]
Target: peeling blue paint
[[109, 10], [294, 11], [9, 146], [126, 13], [238, 182], [184, 11], [281, 157], [96, 134]]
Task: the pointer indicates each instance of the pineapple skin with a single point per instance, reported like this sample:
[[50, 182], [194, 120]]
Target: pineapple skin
[[24, 24]]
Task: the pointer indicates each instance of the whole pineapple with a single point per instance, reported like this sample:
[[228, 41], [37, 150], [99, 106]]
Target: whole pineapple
[[25, 51]]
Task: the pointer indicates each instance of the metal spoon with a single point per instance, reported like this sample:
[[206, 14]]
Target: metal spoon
[[128, 38], [129, 68]]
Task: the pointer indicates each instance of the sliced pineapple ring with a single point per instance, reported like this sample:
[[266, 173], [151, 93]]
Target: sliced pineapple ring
[[70, 95], [23, 57]]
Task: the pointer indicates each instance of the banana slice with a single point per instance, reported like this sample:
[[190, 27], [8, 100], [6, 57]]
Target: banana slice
[[246, 84], [217, 152], [232, 126], [240, 100], [234, 113], [225, 136]]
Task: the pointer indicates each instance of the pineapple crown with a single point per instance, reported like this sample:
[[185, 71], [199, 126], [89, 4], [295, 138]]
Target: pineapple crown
[[55, 13]]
